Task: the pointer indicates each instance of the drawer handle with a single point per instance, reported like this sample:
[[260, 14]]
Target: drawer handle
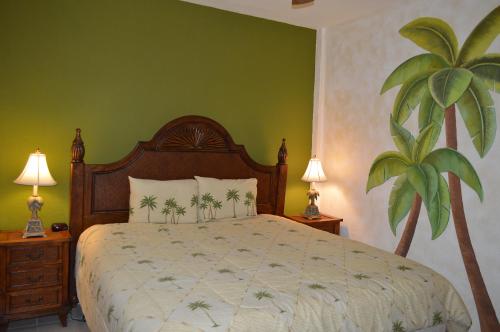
[[35, 279], [37, 301], [35, 256]]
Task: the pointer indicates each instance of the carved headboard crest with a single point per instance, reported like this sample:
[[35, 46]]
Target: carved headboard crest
[[196, 136]]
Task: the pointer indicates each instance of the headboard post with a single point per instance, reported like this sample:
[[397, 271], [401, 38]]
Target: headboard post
[[282, 153], [77, 148], [76, 204], [282, 169]]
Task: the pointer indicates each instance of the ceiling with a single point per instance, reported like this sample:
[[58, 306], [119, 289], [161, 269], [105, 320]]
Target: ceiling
[[321, 13]]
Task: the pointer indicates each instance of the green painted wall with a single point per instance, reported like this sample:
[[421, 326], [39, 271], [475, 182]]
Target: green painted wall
[[121, 69]]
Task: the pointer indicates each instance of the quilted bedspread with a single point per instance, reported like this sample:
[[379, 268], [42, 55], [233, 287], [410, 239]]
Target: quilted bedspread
[[263, 273]]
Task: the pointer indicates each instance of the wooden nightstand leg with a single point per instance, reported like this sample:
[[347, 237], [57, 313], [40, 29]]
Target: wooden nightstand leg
[[4, 325], [63, 317]]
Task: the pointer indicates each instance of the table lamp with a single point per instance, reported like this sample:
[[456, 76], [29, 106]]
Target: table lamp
[[314, 173], [36, 173]]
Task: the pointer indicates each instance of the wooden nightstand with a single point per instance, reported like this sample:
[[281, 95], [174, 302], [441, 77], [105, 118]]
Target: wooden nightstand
[[325, 223], [33, 276]]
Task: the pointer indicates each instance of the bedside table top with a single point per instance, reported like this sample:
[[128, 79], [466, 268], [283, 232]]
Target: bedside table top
[[323, 218], [16, 237]]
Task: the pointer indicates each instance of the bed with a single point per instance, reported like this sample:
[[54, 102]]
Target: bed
[[261, 273]]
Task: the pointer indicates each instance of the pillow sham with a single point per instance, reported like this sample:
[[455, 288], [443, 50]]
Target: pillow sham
[[154, 201], [226, 198]]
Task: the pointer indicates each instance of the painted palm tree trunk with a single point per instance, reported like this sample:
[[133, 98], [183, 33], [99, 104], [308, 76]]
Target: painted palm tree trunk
[[411, 224], [487, 316]]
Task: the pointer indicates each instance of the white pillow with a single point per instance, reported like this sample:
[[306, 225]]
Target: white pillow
[[226, 198], [163, 201]]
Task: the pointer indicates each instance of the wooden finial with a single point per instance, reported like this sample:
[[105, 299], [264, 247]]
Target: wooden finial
[[77, 149], [283, 153]]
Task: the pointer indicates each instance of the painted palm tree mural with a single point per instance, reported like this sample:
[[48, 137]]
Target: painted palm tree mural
[[205, 307], [438, 81], [418, 170], [150, 203], [233, 195]]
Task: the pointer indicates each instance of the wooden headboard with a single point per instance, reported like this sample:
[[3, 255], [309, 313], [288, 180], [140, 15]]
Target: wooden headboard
[[184, 147]]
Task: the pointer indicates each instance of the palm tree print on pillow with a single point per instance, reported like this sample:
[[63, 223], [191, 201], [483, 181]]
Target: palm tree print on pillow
[[205, 307], [250, 203], [179, 211], [171, 206], [150, 203], [195, 201], [207, 200], [166, 211], [203, 208], [174, 210], [233, 195], [247, 204], [217, 205]]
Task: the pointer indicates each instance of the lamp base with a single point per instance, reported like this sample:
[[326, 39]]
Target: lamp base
[[34, 228], [312, 212]]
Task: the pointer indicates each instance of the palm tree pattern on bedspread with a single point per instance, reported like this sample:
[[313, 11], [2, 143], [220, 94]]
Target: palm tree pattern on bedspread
[[265, 271]]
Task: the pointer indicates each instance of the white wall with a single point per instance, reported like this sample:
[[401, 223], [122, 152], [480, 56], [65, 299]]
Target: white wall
[[351, 128]]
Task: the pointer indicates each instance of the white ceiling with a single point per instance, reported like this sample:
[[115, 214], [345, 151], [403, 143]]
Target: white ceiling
[[321, 13]]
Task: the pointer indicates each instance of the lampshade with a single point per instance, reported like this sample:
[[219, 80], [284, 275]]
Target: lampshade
[[36, 171], [314, 171]]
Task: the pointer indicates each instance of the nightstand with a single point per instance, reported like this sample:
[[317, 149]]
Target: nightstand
[[325, 223], [34, 276]]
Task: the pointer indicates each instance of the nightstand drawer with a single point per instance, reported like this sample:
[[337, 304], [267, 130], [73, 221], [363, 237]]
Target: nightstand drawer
[[33, 300], [50, 275], [324, 226], [324, 223], [21, 255]]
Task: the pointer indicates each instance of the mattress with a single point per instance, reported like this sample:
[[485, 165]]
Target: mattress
[[264, 273]]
